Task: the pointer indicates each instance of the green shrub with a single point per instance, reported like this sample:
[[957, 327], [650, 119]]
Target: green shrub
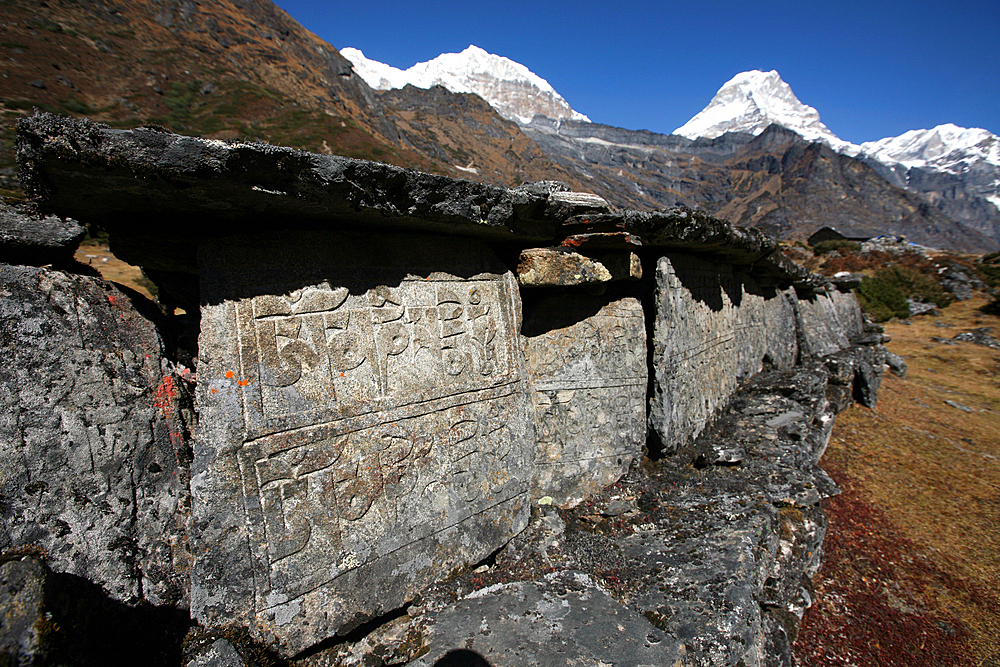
[[988, 269], [824, 247], [883, 296]]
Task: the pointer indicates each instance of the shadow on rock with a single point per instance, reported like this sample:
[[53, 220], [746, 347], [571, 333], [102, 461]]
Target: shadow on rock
[[462, 658], [70, 621]]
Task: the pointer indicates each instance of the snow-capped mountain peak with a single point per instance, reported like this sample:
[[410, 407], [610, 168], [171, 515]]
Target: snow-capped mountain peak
[[512, 89], [943, 148], [751, 101]]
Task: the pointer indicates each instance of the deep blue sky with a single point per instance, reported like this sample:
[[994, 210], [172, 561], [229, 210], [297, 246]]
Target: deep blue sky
[[872, 69]]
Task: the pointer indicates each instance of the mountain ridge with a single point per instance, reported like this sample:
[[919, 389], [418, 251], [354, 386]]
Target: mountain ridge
[[516, 92], [245, 70]]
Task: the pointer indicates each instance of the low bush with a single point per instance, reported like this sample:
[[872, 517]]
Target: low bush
[[883, 296], [824, 247]]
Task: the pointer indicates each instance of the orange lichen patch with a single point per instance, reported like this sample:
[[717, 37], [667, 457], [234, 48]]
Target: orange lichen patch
[[241, 382], [229, 374], [912, 569]]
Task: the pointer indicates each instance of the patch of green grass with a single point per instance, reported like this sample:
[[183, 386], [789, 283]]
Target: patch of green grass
[[824, 247], [75, 106]]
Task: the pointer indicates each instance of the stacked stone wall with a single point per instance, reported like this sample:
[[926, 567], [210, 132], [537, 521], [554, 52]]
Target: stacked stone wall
[[385, 407]]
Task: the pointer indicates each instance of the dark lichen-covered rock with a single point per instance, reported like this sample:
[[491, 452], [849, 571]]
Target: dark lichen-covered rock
[[186, 189], [22, 611], [564, 618], [92, 443], [36, 240], [54, 618]]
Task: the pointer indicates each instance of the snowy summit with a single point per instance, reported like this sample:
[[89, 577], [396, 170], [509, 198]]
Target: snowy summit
[[943, 148], [751, 101], [512, 89]]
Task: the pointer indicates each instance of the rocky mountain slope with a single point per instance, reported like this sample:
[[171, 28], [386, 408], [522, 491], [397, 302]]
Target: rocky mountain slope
[[956, 169], [225, 69], [751, 102], [243, 69], [777, 181]]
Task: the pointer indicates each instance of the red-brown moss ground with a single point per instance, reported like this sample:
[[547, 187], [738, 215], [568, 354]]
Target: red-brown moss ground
[[912, 568]]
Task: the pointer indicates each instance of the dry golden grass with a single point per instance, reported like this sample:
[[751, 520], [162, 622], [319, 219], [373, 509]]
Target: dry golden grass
[[914, 541], [96, 253]]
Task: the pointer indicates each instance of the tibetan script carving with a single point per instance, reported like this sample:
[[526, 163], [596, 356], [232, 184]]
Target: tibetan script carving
[[364, 426]]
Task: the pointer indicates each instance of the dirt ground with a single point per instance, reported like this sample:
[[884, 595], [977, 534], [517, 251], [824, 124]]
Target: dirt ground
[[912, 568], [95, 253]]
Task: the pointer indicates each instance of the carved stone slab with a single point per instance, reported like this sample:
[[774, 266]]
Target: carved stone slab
[[364, 427], [587, 360], [828, 320], [713, 330]]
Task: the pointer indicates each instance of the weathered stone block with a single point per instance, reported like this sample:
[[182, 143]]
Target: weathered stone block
[[365, 426], [713, 330], [31, 239], [90, 435], [559, 266], [587, 361], [828, 321]]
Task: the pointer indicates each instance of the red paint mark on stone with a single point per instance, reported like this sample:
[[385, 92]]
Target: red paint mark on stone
[[165, 396], [165, 400]]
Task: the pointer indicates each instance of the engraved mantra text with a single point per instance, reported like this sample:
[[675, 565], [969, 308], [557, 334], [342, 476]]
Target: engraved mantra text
[[310, 332]]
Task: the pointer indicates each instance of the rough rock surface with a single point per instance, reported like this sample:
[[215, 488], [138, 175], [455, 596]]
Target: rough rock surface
[[92, 442], [563, 619], [22, 611], [714, 328], [560, 266], [828, 321], [586, 357], [701, 559], [34, 240], [365, 424], [980, 336], [369, 402]]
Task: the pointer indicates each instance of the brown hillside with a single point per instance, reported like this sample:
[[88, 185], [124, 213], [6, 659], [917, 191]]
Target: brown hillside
[[239, 69]]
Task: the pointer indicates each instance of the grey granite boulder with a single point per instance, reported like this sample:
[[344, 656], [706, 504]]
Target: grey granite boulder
[[364, 429], [92, 440], [562, 620]]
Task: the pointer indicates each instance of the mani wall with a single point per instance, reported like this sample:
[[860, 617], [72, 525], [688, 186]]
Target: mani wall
[[412, 401]]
